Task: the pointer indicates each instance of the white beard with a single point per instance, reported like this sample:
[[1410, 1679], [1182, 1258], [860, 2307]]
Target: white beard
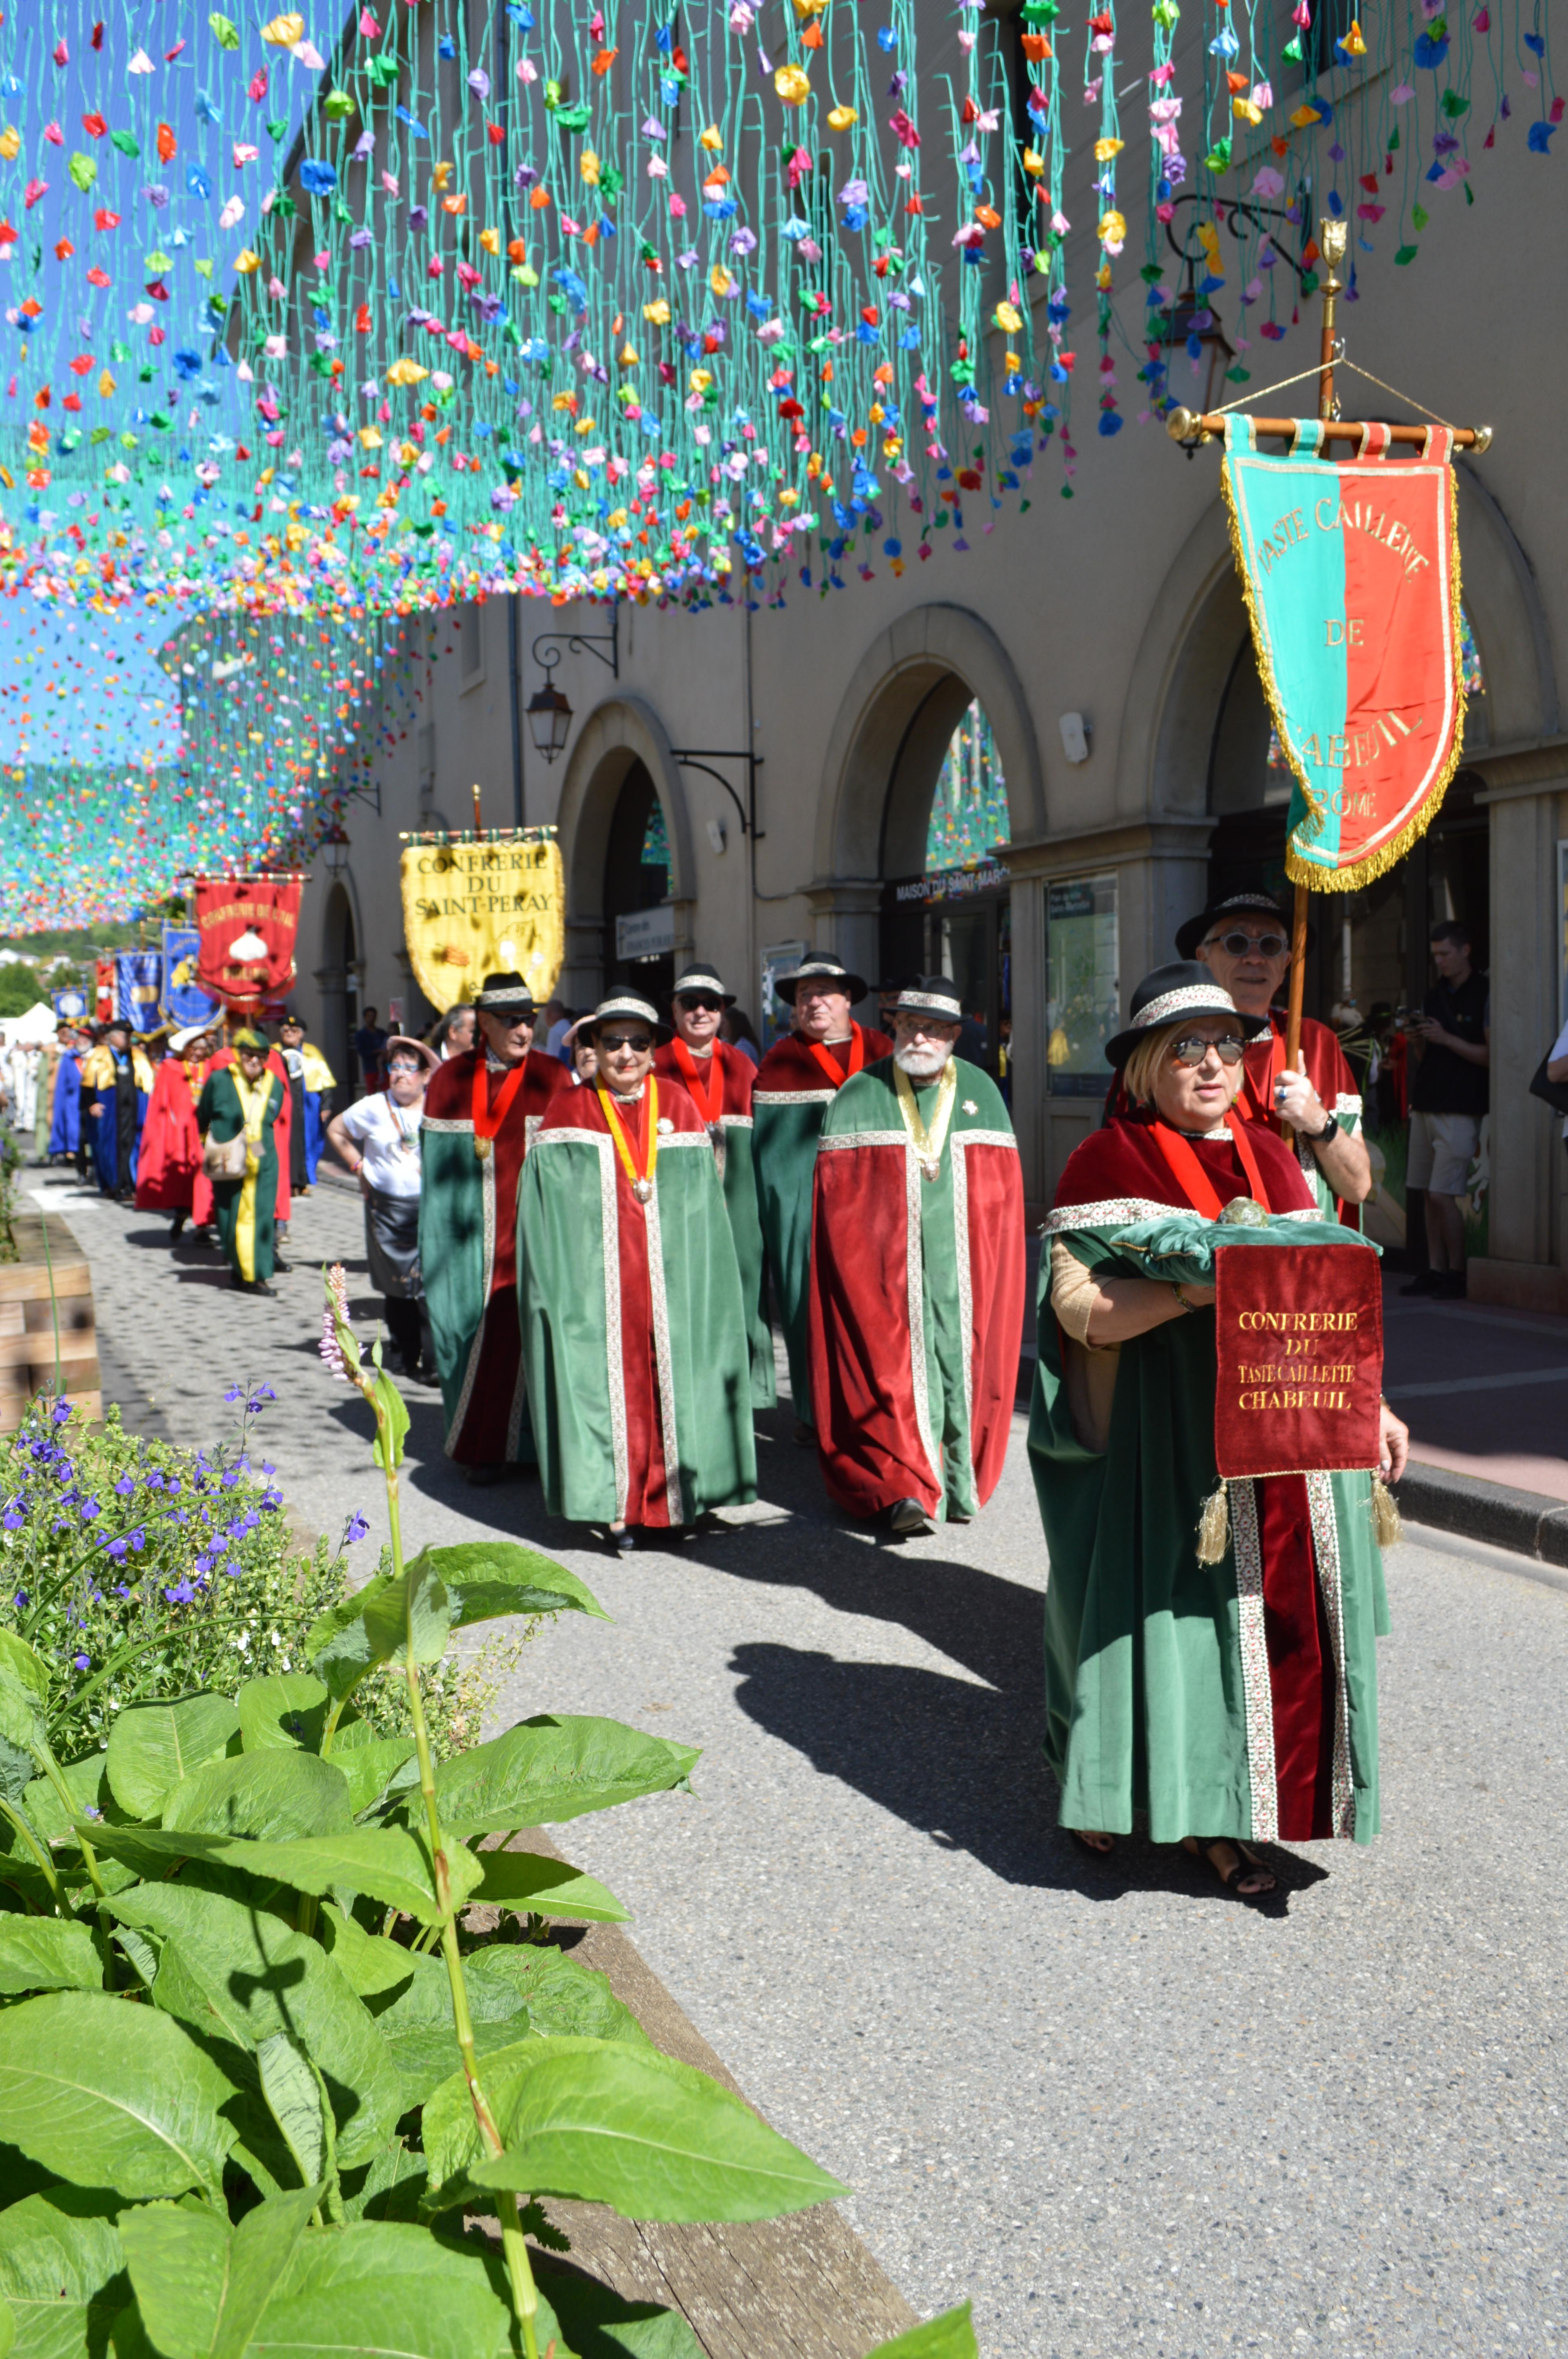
[[922, 1065]]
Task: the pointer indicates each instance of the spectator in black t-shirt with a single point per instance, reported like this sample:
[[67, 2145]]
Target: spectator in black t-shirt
[[1450, 1051], [369, 1046]]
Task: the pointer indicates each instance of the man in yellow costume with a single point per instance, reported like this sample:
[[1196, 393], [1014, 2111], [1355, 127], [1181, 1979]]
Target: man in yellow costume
[[244, 1101]]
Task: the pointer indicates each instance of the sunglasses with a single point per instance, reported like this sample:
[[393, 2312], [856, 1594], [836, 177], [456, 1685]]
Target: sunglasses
[[638, 1042], [1190, 1050], [1238, 944], [694, 1004]]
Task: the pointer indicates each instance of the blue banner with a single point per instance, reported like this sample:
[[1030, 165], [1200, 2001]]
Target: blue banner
[[70, 1005], [139, 981], [183, 1002]]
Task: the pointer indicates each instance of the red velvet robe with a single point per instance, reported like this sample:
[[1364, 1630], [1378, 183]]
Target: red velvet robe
[[1119, 1176], [486, 1406], [169, 1163]]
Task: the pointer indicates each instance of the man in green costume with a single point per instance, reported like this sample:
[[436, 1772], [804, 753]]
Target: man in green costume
[[633, 1328], [796, 1082], [718, 1080], [917, 1276], [244, 1100]]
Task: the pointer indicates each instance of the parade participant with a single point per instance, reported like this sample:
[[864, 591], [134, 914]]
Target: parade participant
[[1232, 1700], [60, 1113], [283, 1135], [169, 1166], [116, 1081], [310, 1083], [633, 1317], [242, 1102], [1244, 941], [481, 1110], [719, 1081], [378, 1139], [917, 1276], [796, 1082]]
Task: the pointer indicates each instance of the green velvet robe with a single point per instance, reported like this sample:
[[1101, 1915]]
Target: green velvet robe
[[1157, 1666], [245, 1210]]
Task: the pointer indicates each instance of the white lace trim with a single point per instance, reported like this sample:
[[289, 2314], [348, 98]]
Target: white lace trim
[[792, 1097], [663, 1360], [914, 1276], [842, 1138], [1257, 1686], [965, 1276], [1326, 1550]]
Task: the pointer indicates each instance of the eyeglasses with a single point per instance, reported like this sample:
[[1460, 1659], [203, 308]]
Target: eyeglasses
[[1238, 944], [403, 1065], [608, 1042], [1190, 1050], [695, 1006]]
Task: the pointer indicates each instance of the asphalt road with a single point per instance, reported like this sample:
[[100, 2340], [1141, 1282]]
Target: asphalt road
[[1119, 2109]]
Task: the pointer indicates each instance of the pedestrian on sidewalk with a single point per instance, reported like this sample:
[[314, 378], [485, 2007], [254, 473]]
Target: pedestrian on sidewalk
[[917, 1276], [378, 1139], [451, 1035], [244, 1101], [480, 1112], [370, 1042], [633, 1324], [719, 1079], [1450, 1053], [1233, 1701]]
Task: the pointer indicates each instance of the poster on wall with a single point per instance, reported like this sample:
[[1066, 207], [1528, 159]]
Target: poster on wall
[[493, 906], [778, 959], [1082, 987]]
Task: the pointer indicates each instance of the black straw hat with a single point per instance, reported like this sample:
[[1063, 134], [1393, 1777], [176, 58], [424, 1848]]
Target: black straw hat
[[1232, 904], [821, 969], [504, 991], [930, 994], [701, 979], [1184, 988]]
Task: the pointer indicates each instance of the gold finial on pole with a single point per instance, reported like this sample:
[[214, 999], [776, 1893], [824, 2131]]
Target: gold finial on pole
[[1334, 237], [477, 822]]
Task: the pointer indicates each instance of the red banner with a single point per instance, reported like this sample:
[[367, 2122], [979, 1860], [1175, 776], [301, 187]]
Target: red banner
[[247, 926], [102, 989], [1300, 1336]]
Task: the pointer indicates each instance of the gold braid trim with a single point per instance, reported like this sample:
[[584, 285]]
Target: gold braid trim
[[1351, 878]]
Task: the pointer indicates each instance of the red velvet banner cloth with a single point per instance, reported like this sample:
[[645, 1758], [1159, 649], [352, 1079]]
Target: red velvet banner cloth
[[247, 926], [1299, 1331]]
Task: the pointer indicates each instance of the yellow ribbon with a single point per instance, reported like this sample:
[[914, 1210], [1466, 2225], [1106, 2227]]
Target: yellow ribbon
[[641, 1181], [927, 1143], [253, 1097]]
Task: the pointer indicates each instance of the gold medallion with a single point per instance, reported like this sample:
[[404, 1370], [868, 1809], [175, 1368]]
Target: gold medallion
[[481, 1148], [643, 1189]]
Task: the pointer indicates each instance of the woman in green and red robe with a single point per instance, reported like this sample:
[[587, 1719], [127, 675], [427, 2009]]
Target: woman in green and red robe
[[718, 1080], [634, 1330], [796, 1082], [1230, 1702], [168, 1167], [917, 1276], [244, 1097]]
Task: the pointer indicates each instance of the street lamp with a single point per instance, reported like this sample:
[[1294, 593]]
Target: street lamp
[[549, 719], [335, 849]]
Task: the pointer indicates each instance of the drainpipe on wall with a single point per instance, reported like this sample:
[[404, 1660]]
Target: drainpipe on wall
[[515, 686]]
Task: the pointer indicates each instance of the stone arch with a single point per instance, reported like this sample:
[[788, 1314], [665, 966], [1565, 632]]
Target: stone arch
[[621, 731], [896, 715]]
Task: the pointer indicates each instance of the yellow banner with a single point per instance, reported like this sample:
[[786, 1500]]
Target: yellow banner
[[473, 909]]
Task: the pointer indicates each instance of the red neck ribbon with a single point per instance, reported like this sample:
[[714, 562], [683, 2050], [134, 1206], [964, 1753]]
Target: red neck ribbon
[[830, 1063], [485, 1123], [1260, 1104], [1193, 1180], [705, 1080]]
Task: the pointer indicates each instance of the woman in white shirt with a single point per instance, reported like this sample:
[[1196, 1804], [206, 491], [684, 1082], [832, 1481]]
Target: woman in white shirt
[[378, 1139]]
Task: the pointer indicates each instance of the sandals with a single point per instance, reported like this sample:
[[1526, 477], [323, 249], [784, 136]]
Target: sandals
[[1093, 1848], [1246, 1863]]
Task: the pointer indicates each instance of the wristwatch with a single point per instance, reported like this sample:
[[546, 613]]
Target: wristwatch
[[1330, 1130]]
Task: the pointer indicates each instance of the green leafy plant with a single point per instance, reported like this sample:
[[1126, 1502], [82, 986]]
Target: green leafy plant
[[260, 2083]]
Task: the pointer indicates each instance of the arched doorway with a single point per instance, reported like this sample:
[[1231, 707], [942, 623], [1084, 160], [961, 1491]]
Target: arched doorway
[[947, 900], [339, 977], [639, 917]]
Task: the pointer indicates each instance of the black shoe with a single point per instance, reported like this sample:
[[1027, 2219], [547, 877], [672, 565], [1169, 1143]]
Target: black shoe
[[176, 1225], [482, 1477], [280, 1268], [624, 1541], [260, 1286], [803, 1436], [1450, 1285], [1423, 1282], [908, 1519]]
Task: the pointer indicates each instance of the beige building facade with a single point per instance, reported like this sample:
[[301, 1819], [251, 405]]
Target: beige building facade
[[780, 764]]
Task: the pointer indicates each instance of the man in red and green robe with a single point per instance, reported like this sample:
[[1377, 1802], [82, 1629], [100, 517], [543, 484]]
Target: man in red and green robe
[[719, 1080], [633, 1323], [482, 1111], [796, 1082], [244, 1097], [917, 1276]]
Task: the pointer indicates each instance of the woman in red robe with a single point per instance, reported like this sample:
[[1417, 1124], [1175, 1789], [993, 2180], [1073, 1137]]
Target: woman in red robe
[[169, 1169]]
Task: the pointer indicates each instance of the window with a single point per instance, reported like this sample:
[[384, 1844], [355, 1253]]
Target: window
[[470, 646], [1082, 991]]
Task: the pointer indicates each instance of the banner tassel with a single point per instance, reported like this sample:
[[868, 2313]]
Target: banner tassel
[[1387, 1527], [1214, 1526]]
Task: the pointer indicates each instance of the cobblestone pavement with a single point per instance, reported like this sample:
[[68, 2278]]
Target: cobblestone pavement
[[1121, 2110]]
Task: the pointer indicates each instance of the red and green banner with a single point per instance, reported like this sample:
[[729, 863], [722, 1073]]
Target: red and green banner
[[1350, 570]]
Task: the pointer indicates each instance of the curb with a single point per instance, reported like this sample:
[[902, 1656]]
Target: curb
[[1525, 1521]]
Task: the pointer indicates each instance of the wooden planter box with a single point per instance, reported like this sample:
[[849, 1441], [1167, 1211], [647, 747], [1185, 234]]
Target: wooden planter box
[[27, 1318]]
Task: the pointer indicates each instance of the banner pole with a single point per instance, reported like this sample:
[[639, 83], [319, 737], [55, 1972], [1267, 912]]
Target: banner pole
[[1333, 236]]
